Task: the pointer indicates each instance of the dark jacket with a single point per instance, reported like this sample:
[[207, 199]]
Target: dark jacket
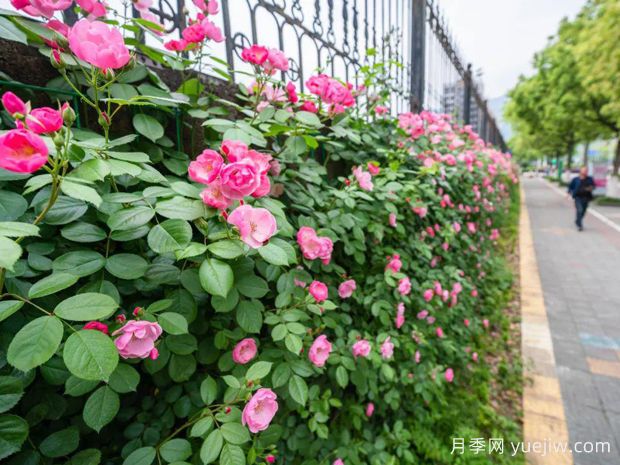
[[581, 188]]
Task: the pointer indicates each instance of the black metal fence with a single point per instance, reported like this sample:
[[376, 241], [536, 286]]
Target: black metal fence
[[336, 37]]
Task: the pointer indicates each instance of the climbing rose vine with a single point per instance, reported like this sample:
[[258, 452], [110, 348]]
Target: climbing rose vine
[[313, 279]]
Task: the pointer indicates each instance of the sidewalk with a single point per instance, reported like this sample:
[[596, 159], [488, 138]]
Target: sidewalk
[[580, 277]]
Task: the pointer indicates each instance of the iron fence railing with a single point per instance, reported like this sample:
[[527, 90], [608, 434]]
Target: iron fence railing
[[336, 35]]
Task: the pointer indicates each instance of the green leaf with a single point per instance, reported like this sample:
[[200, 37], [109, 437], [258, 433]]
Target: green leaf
[[273, 254], [10, 31], [10, 251], [81, 192], [60, 443], [307, 118], [175, 450], [83, 232], [298, 389], [52, 284], [101, 408], [35, 343], [208, 390], [258, 370], [170, 236], [201, 427], [193, 249], [8, 307], [148, 126], [228, 249], [13, 433], [281, 375], [86, 457], [130, 218], [11, 390], [173, 323], [232, 455], [16, 229], [124, 379], [80, 263], [211, 447], [250, 316], [181, 208], [90, 355], [216, 277], [76, 387], [342, 376], [293, 343], [12, 206], [235, 433], [252, 286], [126, 266], [142, 456], [91, 170], [86, 307]]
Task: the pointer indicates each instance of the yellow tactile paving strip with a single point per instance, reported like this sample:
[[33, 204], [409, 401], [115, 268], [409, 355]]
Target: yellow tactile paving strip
[[543, 411]]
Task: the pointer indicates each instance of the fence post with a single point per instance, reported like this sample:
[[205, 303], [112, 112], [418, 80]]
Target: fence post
[[467, 95], [229, 39], [418, 50]]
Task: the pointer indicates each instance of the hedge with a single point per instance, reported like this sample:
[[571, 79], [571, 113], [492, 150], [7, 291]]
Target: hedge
[[323, 283]]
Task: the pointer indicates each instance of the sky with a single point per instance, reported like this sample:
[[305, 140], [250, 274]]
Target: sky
[[501, 36]]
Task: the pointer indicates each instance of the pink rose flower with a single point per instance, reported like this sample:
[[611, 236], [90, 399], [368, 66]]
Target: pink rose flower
[[97, 326], [44, 120], [338, 461], [387, 349], [260, 410], [213, 7], [370, 408], [256, 225], [206, 167], [428, 295], [381, 110], [239, 179], [418, 356], [244, 351], [320, 350], [22, 151], [361, 348], [422, 314], [313, 246], [194, 33], [256, 54], [93, 8], [392, 219], [214, 197], [45, 8], [98, 44], [291, 92], [318, 290], [137, 339], [346, 288], [309, 106], [270, 458], [449, 375], [276, 59], [176, 45], [474, 356], [394, 264], [439, 331], [400, 315], [373, 168], [420, 211], [404, 286], [466, 322], [364, 178], [14, 105], [211, 31], [485, 323]]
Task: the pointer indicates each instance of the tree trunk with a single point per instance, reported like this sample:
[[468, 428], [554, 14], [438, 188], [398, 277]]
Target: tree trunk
[[617, 157], [586, 148], [569, 158]]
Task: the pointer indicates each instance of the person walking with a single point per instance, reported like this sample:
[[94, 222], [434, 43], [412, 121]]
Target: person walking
[[580, 188]]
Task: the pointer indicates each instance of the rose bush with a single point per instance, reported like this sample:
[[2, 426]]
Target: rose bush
[[285, 309]]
